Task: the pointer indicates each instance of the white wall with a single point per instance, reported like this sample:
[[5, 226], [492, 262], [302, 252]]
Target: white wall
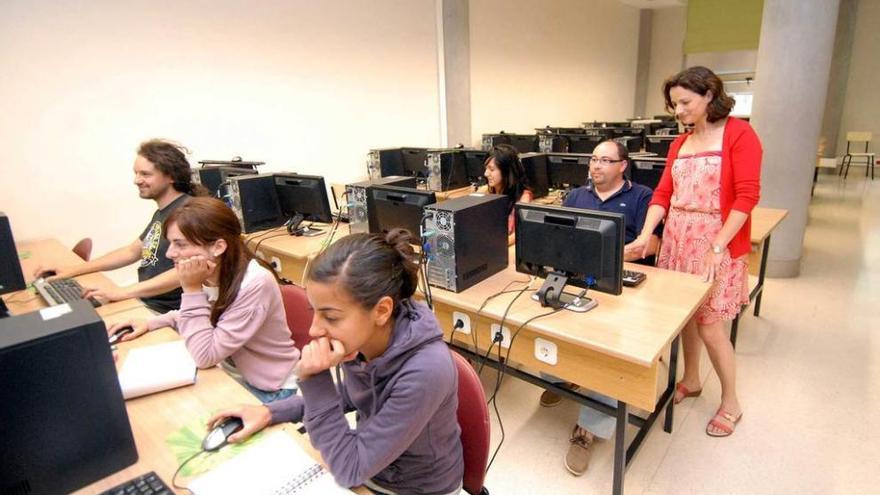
[[305, 86], [861, 111], [668, 28], [550, 63]]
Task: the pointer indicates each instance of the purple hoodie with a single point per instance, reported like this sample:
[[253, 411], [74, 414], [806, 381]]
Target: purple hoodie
[[407, 438]]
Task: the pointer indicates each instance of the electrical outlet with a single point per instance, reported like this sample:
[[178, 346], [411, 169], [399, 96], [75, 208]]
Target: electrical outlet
[[465, 319], [505, 334], [545, 351], [276, 263]]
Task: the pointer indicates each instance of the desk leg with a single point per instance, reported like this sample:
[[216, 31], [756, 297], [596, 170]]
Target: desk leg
[[670, 384], [815, 178], [761, 274], [620, 449]]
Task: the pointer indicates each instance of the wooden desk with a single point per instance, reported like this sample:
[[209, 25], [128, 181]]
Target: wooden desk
[[290, 255], [613, 349], [32, 253], [764, 222]]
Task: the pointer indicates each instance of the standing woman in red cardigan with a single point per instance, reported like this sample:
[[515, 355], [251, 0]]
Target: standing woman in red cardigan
[[707, 192]]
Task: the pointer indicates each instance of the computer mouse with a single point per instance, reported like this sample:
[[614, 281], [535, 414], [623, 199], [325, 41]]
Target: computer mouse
[[217, 437], [119, 333], [46, 274]]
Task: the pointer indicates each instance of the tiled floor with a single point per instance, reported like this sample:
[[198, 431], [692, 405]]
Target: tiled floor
[[809, 381]]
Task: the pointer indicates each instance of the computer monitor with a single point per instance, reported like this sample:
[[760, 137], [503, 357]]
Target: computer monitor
[[646, 171], [582, 143], [254, 201], [475, 165], [305, 195], [523, 143], [390, 207], [64, 423], [568, 169], [535, 165], [583, 248], [11, 278], [413, 160]]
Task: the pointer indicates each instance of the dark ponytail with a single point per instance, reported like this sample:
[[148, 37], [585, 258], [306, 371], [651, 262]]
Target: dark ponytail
[[370, 267]]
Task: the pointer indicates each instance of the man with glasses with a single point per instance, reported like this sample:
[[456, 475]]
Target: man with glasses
[[611, 192]]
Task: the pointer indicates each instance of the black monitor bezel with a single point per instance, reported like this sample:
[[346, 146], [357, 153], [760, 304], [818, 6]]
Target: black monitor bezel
[[323, 216]]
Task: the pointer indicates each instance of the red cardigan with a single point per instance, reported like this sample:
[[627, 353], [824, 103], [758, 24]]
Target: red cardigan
[[740, 178]]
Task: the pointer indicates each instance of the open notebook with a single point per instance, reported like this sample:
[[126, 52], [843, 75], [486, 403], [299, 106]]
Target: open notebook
[[156, 368], [273, 466]]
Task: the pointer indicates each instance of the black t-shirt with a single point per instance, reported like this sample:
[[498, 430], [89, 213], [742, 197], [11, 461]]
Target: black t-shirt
[[154, 261]]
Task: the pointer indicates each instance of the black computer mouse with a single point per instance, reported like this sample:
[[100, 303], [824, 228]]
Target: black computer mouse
[[218, 436], [46, 274], [119, 333]]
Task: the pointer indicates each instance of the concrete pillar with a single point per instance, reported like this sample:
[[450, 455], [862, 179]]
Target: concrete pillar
[[794, 59], [643, 62], [839, 75], [454, 71]]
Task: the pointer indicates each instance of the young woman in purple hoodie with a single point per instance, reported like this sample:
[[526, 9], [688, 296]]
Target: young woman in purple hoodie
[[397, 373], [231, 311]]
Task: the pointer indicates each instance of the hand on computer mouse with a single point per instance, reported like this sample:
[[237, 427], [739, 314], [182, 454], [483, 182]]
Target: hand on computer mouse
[[138, 328], [49, 272], [255, 418]]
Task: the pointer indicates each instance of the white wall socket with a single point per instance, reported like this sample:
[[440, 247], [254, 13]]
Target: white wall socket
[[505, 334], [545, 351], [465, 319], [276, 263]]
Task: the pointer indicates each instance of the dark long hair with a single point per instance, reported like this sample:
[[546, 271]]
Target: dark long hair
[[701, 80], [203, 220], [170, 159], [513, 174], [370, 267]]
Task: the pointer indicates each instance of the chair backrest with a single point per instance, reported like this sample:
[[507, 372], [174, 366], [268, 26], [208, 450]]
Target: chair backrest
[[299, 314], [858, 136], [83, 248], [473, 418]]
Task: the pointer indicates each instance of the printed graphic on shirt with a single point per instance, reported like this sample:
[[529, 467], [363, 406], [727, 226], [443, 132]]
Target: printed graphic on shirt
[[150, 251]]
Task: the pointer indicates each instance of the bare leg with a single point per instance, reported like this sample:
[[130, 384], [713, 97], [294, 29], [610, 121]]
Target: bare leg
[[693, 346], [724, 361]]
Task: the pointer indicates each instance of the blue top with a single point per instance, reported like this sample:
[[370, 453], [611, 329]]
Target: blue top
[[631, 200]]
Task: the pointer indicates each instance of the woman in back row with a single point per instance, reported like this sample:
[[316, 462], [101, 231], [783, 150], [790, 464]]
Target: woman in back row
[[506, 175]]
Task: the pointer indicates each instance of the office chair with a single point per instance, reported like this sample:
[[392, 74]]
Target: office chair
[[83, 248], [299, 314], [857, 137], [473, 419]]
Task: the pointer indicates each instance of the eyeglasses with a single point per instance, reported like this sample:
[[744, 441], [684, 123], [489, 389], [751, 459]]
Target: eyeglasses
[[604, 161]]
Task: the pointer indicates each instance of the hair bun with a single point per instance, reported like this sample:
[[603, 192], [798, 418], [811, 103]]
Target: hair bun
[[401, 240]]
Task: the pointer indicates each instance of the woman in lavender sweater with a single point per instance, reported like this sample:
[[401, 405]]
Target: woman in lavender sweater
[[397, 373], [231, 311]]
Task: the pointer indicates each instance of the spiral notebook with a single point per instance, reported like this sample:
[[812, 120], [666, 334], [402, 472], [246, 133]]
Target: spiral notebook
[[276, 465]]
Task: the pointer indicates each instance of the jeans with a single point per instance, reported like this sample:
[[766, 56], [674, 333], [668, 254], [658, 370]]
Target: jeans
[[267, 397], [597, 423]]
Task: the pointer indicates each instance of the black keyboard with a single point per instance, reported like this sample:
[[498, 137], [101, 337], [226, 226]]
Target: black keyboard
[[632, 278], [148, 484], [61, 291]]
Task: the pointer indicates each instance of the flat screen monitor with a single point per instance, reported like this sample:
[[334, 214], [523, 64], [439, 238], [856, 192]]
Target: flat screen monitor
[[585, 247], [583, 143], [305, 195], [535, 165], [413, 160], [390, 207], [255, 200], [647, 170], [475, 164], [568, 170], [64, 423], [11, 278]]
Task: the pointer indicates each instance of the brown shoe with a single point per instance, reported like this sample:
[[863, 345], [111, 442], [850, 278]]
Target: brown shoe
[[577, 460], [551, 399]]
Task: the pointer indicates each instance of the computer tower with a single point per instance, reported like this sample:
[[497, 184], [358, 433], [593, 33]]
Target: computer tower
[[468, 240], [356, 198], [11, 278], [213, 177], [535, 165], [254, 201], [446, 169], [646, 170]]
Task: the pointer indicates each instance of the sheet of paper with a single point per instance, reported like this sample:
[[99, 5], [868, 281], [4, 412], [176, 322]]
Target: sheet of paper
[[269, 466], [155, 368]]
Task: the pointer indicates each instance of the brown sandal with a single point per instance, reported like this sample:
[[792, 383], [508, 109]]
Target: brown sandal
[[685, 393], [726, 430]]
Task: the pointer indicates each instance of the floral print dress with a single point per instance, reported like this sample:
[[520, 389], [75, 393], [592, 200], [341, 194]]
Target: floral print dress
[[693, 221]]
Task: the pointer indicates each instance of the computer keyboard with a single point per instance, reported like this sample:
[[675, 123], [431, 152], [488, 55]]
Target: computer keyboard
[[148, 484], [61, 291], [632, 278]]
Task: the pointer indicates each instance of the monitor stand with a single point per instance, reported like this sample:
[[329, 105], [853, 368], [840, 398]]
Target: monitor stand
[[552, 294], [294, 227]]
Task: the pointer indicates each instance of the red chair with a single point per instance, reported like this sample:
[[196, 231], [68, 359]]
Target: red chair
[[299, 314], [473, 418], [83, 248]]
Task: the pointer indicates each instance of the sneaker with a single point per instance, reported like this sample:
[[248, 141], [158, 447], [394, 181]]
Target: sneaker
[[577, 460], [550, 399]]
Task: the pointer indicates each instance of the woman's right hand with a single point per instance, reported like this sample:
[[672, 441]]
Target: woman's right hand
[[255, 418], [638, 248], [139, 327]]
